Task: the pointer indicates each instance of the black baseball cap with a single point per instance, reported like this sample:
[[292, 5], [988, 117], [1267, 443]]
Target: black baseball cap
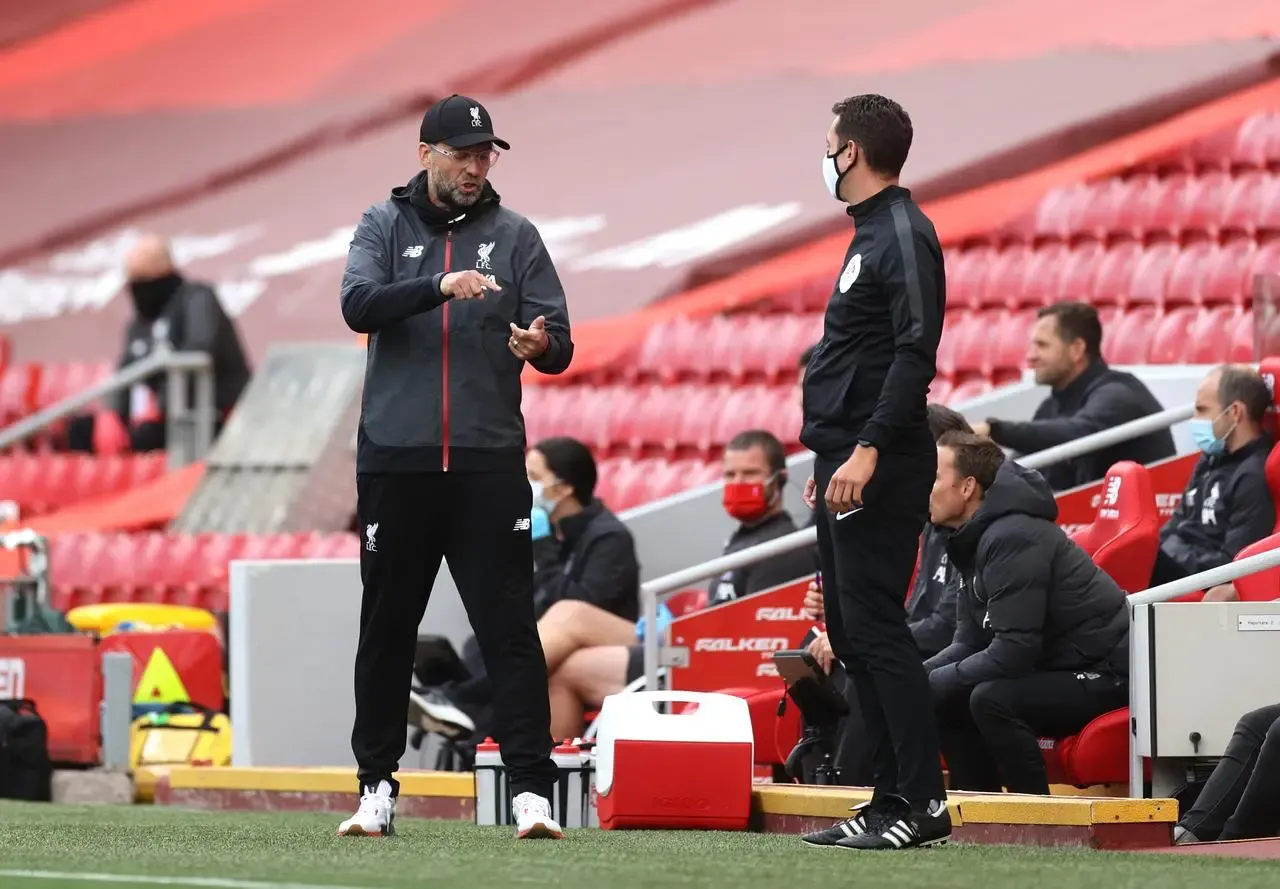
[[459, 121]]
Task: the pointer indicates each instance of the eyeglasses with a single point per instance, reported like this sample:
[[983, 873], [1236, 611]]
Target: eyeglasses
[[485, 158]]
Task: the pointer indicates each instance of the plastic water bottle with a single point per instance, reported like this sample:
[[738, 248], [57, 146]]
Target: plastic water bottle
[[591, 811], [493, 804], [567, 801]]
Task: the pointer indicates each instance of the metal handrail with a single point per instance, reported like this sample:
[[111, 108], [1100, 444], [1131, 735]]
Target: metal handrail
[[1167, 592], [652, 591], [163, 360], [1107, 437]]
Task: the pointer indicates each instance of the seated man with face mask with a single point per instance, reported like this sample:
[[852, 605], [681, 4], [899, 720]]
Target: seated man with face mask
[[755, 473], [1226, 505], [1042, 634], [187, 316]]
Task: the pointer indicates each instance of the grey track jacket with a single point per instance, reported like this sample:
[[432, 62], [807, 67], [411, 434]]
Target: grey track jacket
[[441, 390]]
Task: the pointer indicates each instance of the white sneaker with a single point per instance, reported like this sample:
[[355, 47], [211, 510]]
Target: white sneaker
[[433, 712], [376, 816], [533, 818]]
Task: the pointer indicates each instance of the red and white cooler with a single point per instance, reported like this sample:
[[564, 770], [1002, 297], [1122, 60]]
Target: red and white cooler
[[687, 769]]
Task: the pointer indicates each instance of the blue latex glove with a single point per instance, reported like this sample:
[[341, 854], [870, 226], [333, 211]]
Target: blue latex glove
[[665, 617], [539, 523]]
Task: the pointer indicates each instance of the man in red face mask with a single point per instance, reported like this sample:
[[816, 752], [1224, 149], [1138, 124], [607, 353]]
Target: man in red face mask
[[755, 473]]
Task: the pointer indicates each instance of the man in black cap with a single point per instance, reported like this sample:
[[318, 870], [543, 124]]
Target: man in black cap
[[456, 293]]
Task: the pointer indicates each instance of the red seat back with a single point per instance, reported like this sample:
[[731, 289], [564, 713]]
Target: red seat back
[[1263, 586], [1125, 535]]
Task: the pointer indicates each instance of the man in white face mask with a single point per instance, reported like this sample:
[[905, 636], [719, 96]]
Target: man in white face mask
[[865, 419]]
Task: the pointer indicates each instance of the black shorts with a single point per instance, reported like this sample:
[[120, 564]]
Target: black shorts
[[635, 663]]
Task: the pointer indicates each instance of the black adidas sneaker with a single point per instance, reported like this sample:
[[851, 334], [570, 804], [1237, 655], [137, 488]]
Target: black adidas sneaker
[[901, 827], [855, 826]]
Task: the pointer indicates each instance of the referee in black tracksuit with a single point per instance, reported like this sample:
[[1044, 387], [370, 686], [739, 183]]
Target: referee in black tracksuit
[[456, 293], [865, 418]]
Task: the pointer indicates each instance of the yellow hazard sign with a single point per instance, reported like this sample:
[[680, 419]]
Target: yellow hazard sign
[[160, 683]]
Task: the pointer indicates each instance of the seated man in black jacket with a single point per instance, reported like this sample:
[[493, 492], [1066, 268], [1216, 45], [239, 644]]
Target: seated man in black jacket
[[186, 315], [586, 581], [1226, 505], [1042, 634], [1088, 396]]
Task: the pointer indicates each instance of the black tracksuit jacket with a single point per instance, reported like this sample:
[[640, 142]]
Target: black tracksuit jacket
[[868, 380]]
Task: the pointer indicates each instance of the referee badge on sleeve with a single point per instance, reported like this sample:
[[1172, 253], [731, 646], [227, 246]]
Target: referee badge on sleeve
[[850, 273]]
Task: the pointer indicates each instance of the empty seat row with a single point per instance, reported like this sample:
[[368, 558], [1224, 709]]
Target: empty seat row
[[734, 348], [652, 419], [992, 343], [625, 482], [1128, 273], [1144, 206], [40, 483], [1252, 143], [178, 569], [1202, 273], [27, 388]]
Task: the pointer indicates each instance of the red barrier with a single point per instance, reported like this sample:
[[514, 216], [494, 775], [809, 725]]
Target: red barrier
[[62, 675], [732, 645]]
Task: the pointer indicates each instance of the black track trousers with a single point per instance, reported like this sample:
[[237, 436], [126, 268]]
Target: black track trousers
[[478, 522], [867, 561]]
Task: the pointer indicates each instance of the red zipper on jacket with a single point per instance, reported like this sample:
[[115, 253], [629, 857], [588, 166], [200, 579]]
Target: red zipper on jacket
[[444, 359]]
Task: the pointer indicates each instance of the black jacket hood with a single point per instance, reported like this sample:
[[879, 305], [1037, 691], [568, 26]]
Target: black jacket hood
[[414, 193], [1017, 491]]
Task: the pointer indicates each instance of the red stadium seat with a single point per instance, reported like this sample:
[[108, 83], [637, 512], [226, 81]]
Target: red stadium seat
[[1257, 142], [59, 381], [1210, 338], [1171, 340], [694, 417], [1240, 346], [1059, 213], [969, 389], [1151, 275], [1008, 353], [1040, 277], [1125, 534], [1213, 152], [973, 346], [1204, 204], [1251, 195], [1100, 216], [1002, 284], [670, 349], [1164, 207], [1127, 339], [1076, 271], [1099, 754], [18, 387], [966, 270], [1114, 272], [1264, 586], [1132, 215], [1182, 288], [1227, 275], [687, 602]]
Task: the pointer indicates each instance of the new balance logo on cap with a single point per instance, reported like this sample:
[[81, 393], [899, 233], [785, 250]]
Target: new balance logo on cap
[[412, 252], [522, 525]]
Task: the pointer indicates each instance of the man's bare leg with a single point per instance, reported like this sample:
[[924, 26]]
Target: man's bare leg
[[583, 681], [570, 625]]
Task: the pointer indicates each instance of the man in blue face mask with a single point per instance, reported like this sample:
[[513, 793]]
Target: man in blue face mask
[[1226, 505]]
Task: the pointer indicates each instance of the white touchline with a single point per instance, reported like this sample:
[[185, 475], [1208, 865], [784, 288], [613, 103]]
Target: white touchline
[[209, 882]]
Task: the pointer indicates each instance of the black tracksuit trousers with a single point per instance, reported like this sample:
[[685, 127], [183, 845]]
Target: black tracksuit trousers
[[1241, 800], [478, 523], [867, 560]]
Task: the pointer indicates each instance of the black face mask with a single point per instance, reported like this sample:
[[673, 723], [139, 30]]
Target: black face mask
[[151, 295]]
